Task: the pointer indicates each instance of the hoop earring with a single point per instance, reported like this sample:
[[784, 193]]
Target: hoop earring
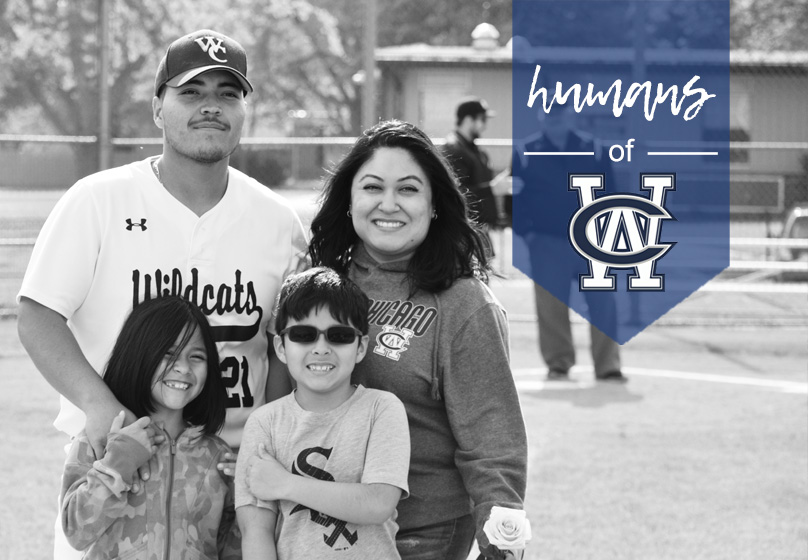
[[349, 212], [434, 215]]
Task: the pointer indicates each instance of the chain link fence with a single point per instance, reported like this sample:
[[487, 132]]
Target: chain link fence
[[37, 170]]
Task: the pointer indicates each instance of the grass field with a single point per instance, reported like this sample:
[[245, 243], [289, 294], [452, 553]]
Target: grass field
[[661, 468]]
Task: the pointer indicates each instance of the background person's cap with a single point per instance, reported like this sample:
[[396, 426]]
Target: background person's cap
[[199, 52], [473, 106]]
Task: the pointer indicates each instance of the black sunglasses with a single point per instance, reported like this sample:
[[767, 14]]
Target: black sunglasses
[[307, 334]]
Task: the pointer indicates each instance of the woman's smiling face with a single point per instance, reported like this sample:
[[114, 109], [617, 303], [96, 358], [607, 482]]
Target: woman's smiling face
[[391, 204]]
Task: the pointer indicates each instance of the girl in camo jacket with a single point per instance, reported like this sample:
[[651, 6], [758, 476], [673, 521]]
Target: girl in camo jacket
[[164, 369]]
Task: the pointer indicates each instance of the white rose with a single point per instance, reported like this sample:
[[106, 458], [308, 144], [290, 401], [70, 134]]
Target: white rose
[[507, 529]]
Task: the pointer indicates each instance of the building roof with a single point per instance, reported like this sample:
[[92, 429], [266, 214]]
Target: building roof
[[769, 58], [430, 54], [421, 52]]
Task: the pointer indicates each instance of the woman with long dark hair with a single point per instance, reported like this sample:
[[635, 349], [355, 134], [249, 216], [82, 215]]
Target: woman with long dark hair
[[393, 218]]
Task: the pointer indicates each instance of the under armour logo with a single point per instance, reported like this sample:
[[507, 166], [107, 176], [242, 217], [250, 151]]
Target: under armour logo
[[141, 224], [621, 231], [212, 46]]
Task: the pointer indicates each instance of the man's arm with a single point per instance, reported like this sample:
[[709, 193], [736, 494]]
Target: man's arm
[[56, 354], [257, 527]]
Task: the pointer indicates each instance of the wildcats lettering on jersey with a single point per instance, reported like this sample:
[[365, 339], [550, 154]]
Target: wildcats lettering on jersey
[[400, 321], [210, 299], [225, 298]]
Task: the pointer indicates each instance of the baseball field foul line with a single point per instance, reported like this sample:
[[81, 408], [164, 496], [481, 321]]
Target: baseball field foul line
[[526, 379]]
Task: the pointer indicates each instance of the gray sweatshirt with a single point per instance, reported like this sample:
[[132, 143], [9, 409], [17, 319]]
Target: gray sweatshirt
[[445, 356]]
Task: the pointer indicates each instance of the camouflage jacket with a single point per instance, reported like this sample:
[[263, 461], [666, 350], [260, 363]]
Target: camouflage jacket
[[184, 511]]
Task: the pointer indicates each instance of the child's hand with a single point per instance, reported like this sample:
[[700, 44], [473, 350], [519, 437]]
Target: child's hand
[[139, 430], [228, 464], [266, 477], [98, 421]]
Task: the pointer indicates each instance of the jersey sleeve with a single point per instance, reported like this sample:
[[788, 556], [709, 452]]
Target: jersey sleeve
[[255, 433], [485, 415], [62, 265], [298, 262], [388, 452]]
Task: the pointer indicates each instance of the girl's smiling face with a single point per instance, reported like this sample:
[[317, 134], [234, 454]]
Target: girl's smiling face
[[391, 204], [181, 375]]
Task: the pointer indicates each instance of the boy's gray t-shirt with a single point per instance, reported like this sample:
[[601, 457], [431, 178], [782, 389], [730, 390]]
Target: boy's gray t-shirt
[[366, 439]]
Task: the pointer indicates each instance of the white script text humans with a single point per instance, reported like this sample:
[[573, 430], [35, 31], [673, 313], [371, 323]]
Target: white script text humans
[[634, 91]]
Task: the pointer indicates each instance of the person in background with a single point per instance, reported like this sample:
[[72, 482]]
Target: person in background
[[181, 223], [471, 165], [554, 263], [393, 218]]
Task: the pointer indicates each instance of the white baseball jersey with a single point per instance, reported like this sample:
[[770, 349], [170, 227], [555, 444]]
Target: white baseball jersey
[[118, 237]]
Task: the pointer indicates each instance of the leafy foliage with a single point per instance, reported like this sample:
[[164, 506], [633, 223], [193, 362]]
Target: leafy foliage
[[303, 53], [769, 25]]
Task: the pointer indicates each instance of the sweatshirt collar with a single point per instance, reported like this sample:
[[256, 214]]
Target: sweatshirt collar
[[361, 258]]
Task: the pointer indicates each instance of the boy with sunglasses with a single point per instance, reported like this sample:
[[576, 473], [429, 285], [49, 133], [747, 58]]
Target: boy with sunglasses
[[328, 463]]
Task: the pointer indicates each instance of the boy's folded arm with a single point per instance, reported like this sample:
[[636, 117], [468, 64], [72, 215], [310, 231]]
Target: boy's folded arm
[[257, 527], [354, 502]]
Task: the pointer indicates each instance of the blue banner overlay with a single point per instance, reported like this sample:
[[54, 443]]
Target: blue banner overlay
[[621, 153]]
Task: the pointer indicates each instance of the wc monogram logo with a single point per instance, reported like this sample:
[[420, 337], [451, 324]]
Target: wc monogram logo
[[621, 231], [211, 45], [392, 341]]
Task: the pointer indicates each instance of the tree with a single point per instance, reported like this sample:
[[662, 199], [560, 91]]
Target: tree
[[304, 58], [52, 64], [303, 53], [769, 25], [448, 22]]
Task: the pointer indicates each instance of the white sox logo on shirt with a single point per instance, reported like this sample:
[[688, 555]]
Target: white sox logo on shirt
[[400, 322], [302, 467], [211, 45]]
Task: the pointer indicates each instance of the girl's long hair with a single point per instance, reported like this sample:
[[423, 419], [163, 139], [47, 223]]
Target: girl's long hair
[[453, 248], [147, 335]]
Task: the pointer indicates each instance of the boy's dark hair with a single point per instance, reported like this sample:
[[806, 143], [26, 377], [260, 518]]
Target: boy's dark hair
[[146, 337], [322, 286]]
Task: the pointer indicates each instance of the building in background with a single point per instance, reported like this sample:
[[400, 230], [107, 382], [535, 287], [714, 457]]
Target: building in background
[[421, 83]]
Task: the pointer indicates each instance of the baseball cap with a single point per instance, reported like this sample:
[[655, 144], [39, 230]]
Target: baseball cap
[[472, 107], [199, 52]]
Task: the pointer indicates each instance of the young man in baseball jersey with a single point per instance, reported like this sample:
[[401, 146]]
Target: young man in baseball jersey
[[181, 223]]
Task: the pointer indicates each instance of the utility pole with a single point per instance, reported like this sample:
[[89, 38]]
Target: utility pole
[[369, 89], [104, 144]]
